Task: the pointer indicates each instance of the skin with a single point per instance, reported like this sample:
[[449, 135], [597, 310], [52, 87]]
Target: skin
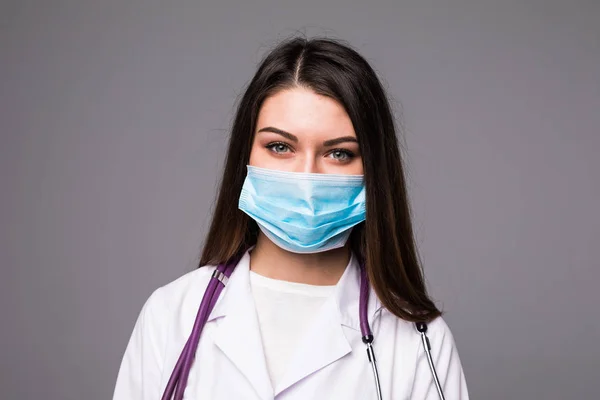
[[300, 131]]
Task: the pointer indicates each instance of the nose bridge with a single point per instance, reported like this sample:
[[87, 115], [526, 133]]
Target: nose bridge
[[307, 158], [309, 164]]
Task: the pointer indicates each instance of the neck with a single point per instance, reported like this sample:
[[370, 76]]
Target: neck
[[324, 268]]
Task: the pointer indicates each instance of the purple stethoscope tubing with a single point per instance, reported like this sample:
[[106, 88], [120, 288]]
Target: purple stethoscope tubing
[[178, 380]]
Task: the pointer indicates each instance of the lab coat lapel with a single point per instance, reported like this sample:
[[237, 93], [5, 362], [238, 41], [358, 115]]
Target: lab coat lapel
[[326, 341], [323, 344], [238, 332]]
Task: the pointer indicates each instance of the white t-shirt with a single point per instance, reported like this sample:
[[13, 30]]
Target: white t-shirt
[[285, 311]]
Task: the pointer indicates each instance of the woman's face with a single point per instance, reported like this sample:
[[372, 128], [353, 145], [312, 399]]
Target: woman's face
[[300, 131]]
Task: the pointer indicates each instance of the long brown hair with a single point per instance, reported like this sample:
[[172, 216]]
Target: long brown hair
[[385, 240]]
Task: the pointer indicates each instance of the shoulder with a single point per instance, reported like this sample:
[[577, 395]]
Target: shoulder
[[181, 285], [437, 327], [411, 354], [145, 356], [409, 341], [438, 333], [169, 311], [441, 339], [445, 358], [176, 294]]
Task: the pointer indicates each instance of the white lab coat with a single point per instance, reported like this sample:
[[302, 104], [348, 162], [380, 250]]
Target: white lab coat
[[330, 361]]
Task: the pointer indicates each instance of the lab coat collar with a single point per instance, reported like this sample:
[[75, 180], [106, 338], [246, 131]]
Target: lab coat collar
[[238, 333], [347, 293]]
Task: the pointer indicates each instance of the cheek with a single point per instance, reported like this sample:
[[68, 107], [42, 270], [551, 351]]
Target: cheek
[[259, 156], [254, 154], [357, 167]]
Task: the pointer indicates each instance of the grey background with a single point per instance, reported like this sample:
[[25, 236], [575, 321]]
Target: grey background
[[114, 118]]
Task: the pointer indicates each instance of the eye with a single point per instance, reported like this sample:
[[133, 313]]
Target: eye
[[341, 155], [278, 147]]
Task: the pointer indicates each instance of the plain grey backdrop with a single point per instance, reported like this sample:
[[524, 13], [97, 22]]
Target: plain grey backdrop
[[114, 117]]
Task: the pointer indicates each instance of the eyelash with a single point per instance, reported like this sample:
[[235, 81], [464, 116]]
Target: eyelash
[[272, 145], [348, 153]]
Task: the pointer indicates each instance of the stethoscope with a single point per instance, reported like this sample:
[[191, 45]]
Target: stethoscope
[[178, 380]]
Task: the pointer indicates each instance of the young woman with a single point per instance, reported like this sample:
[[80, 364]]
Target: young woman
[[309, 284]]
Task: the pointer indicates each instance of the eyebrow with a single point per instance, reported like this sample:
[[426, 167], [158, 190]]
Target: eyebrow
[[289, 136], [339, 140], [285, 134]]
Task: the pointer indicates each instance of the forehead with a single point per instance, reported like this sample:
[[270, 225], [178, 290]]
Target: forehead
[[301, 111]]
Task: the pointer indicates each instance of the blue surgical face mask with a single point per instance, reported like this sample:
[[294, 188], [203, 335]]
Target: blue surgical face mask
[[303, 212]]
